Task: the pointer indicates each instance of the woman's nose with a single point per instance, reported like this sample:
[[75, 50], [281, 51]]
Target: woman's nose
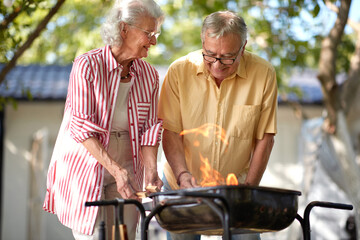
[[153, 40]]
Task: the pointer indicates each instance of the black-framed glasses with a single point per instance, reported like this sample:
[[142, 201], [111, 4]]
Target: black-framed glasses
[[224, 61], [149, 34]]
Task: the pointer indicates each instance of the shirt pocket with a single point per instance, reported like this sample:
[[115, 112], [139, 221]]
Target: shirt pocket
[[245, 119], [143, 111]]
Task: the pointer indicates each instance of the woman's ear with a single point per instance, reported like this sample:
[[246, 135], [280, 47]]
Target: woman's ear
[[124, 31]]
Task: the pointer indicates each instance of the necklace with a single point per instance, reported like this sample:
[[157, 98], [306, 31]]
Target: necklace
[[127, 76]]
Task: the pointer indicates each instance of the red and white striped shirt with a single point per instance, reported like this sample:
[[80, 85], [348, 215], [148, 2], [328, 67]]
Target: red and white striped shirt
[[74, 176]]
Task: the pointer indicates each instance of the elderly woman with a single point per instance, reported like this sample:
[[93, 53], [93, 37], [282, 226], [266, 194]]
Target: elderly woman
[[110, 131]]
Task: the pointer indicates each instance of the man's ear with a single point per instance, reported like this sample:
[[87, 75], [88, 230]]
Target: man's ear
[[243, 48]]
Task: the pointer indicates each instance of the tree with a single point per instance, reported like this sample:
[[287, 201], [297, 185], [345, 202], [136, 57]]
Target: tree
[[44, 31], [14, 41], [340, 102]]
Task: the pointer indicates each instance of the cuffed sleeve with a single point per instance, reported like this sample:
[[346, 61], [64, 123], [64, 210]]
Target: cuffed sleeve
[[82, 127], [153, 126]]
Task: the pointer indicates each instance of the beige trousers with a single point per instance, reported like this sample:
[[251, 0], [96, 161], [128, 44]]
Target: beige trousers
[[120, 150]]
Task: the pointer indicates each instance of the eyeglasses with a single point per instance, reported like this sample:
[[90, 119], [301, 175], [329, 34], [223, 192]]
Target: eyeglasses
[[224, 61], [149, 34]]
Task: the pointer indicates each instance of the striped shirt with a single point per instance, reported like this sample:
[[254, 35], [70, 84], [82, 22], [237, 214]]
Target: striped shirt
[[74, 176]]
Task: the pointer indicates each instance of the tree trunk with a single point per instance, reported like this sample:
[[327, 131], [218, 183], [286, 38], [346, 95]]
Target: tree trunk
[[327, 65], [344, 151]]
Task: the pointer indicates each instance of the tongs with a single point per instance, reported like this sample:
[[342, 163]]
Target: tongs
[[119, 231]]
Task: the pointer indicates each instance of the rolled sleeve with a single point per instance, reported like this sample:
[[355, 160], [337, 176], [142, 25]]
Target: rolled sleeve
[[268, 115], [169, 104], [152, 136], [153, 125], [83, 103], [82, 127]]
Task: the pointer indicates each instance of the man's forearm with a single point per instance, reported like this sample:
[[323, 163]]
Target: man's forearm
[[174, 152], [260, 159]]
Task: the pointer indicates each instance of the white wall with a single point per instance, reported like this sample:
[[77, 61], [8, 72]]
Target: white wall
[[283, 169], [20, 126]]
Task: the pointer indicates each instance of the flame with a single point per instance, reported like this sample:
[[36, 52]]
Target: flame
[[206, 129], [231, 179], [211, 177]]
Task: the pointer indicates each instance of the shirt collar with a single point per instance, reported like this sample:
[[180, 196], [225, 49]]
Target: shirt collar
[[136, 67], [241, 70], [112, 64], [110, 61]]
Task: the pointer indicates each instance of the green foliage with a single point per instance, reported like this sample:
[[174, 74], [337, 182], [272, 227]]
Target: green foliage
[[73, 31], [287, 33], [8, 101], [345, 51], [14, 31]]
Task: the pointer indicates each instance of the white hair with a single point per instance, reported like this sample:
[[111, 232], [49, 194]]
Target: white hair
[[224, 22], [128, 11]]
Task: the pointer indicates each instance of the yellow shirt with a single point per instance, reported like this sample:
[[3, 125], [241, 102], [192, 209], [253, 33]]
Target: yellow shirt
[[245, 107]]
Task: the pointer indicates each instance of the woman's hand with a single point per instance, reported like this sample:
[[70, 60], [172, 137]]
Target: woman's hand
[[149, 156], [125, 184]]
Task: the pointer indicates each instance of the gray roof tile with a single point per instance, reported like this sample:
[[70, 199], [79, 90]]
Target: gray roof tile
[[44, 82]]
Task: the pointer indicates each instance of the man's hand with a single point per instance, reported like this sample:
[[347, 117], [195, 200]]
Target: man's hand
[[186, 180]]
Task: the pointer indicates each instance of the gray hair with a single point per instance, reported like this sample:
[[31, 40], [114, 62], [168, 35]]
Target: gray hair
[[128, 11], [224, 22]]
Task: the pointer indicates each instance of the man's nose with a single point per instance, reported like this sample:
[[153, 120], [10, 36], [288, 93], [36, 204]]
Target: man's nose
[[217, 63]]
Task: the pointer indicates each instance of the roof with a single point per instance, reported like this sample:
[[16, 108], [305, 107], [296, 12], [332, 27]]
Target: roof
[[50, 82], [44, 82], [306, 80]]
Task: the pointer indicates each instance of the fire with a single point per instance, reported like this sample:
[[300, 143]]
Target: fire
[[205, 130], [211, 177], [231, 179]]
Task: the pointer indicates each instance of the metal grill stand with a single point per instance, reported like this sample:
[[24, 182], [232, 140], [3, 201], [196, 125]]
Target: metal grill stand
[[305, 222], [216, 202]]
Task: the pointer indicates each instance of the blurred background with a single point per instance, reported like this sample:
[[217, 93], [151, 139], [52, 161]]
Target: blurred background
[[314, 46]]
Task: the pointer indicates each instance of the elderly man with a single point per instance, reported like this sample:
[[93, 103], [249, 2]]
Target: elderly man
[[230, 96]]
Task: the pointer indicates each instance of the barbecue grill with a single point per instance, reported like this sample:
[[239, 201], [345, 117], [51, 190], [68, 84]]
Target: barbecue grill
[[221, 210]]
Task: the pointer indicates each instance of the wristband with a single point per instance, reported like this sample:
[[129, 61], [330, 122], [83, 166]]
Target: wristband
[[181, 173]]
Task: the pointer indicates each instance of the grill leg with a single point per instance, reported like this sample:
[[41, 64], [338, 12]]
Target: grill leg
[[305, 229], [305, 222]]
